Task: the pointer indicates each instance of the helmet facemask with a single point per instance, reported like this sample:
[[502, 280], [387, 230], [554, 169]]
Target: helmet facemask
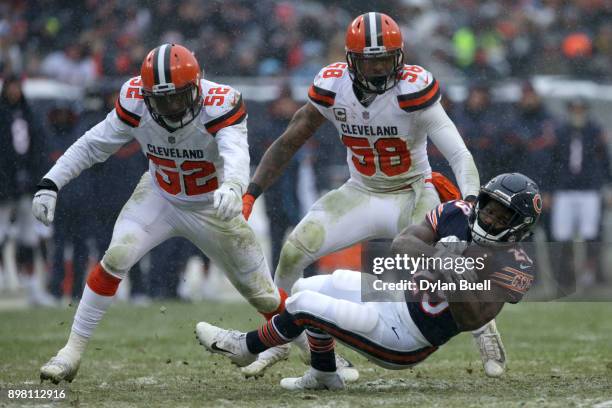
[[505, 224], [173, 108], [375, 72]]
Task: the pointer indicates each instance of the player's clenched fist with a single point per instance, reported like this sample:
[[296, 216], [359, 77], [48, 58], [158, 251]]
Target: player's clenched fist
[[43, 204], [227, 201]]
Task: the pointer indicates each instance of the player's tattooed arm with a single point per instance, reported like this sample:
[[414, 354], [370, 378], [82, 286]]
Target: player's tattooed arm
[[303, 125]]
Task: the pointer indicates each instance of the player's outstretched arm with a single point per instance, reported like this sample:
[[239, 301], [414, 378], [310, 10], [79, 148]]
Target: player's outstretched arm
[[95, 146], [444, 134], [303, 125]]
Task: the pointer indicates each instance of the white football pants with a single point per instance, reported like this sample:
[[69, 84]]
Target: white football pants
[[346, 216], [148, 219], [382, 331]]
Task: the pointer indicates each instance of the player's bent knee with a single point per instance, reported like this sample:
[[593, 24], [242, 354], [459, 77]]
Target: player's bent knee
[[314, 283], [346, 279], [308, 237], [118, 259], [299, 286], [265, 303], [308, 301]]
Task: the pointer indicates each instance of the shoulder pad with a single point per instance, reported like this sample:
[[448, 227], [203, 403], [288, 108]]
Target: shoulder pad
[[418, 88], [223, 106], [130, 105], [326, 83]]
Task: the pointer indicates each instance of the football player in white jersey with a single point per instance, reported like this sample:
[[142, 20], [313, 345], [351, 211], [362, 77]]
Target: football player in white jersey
[[194, 133], [384, 110]]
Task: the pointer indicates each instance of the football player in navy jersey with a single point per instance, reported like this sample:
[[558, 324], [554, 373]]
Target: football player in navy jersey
[[400, 334]]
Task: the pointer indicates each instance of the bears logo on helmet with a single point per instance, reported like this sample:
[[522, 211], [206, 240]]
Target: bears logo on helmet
[[171, 85]]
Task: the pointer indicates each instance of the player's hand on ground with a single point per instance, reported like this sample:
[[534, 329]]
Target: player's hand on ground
[[248, 200], [227, 201], [43, 205]]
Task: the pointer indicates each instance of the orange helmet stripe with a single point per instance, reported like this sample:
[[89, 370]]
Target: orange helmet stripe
[[373, 30]]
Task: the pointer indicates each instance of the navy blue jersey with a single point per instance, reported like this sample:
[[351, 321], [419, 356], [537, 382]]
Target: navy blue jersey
[[513, 271]]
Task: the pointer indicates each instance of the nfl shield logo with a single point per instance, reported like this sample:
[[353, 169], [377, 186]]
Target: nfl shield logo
[[366, 115], [171, 139]]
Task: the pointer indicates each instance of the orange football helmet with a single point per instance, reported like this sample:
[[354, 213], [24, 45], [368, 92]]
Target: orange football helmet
[[171, 85], [374, 52]]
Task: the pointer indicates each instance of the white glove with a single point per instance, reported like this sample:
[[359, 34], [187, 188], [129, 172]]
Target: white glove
[[452, 244], [227, 201], [43, 206]]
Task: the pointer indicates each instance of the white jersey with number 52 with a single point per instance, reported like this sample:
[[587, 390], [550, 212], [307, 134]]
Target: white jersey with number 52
[[187, 164]]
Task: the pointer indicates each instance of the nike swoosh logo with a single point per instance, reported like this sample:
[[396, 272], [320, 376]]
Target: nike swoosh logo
[[394, 331], [216, 348], [523, 266]]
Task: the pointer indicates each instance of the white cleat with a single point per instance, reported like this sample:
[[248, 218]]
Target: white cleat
[[228, 343], [265, 360], [314, 380], [59, 368], [492, 350], [346, 370]]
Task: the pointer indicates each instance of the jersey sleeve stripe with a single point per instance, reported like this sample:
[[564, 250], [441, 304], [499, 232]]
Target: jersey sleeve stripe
[[431, 218], [233, 117], [514, 272], [127, 117], [420, 100], [321, 96], [512, 288]]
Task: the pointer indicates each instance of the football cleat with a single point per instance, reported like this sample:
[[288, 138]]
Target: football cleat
[[228, 343], [346, 370], [492, 350], [314, 380], [59, 368], [266, 359]]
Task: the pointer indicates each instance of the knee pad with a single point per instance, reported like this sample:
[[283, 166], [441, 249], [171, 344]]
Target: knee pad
[[346, 279], [299, 286], [118, 259], [310, 302], [308, 237], [314, 283], [265, 302]]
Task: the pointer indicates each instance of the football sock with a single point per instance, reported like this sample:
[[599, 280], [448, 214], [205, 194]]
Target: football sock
[[281, 329], [97, 297], [322, 355]]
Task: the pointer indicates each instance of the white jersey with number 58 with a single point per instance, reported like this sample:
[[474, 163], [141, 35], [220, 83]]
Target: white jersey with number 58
[[387, 140]]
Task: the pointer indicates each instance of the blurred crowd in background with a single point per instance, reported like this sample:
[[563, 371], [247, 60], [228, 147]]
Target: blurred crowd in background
[[567, 154], [463, 38]]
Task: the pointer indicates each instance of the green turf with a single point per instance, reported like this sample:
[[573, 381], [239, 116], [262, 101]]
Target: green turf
[[560, 355]]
